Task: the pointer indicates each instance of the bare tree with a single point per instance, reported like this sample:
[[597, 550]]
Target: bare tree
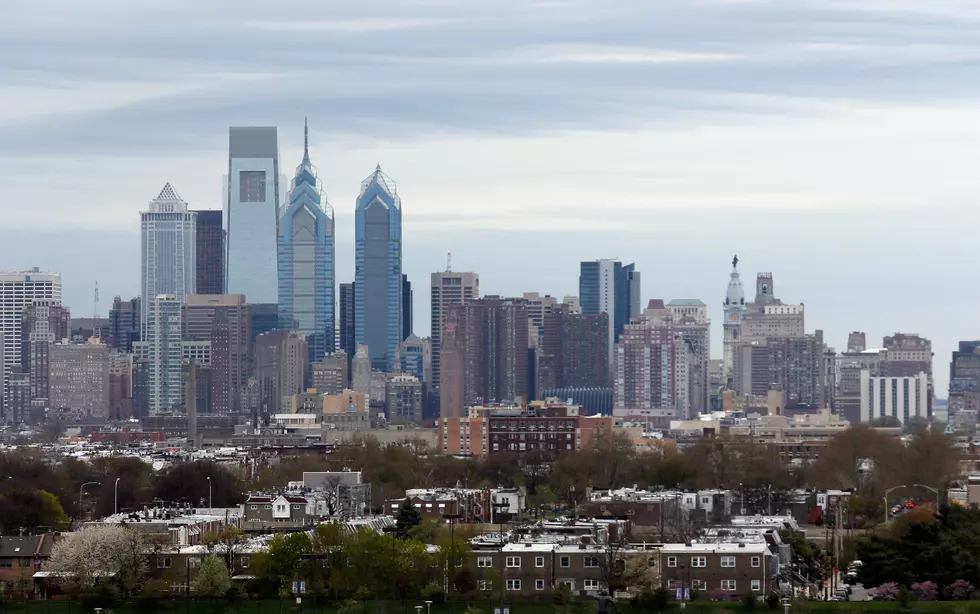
[[228, 543]]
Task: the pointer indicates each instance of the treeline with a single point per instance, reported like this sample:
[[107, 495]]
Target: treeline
[[38, 494]]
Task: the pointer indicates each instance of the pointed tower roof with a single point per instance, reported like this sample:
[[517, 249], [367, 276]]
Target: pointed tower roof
[[168, 201], [735, 295], [306, 143], [383, 181], [168, 193]]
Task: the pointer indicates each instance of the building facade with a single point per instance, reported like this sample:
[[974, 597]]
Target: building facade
[[224, 321], [251, 206], [210, 266], [902, 398], [411, 357], [734, 309], [163, 352], [44, 323], [607, 286], [330, 374], [378, 269], [403, 399], [169, 249], [306, 260], [406, 307], [573, 352], [79, 379], [125, 323], [18, 290], [448, 288]]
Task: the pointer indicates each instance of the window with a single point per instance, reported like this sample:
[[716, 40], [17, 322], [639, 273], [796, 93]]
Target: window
[[539, 561], [295, 507], [756, 586], [728, 561], [591, 561], [539, 585], [756, 561], [728, 585], [251, 186], [591, 585], [6, 564], [699, 561], [671, 561], [484, 561], [486, 585], [164, 563], [564, 561], [513, 561], [699, 585], [513, 585], [246, 561]]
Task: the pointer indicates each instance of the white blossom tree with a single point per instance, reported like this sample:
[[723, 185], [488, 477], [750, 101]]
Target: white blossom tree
[[212, 578], [101, 553]]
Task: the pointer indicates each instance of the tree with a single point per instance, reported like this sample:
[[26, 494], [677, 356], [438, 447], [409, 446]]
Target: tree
[[188, 482], [29, 510], [211, 579], [408, 518], [102, 551], [228, 542], [280, 564]]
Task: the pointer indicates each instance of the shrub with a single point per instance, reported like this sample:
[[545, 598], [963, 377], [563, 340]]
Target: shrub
[[717, 594], [647, 600], [885, 592], [749, 601], [903, 596], [433, 592], [773, 602], [925, 591], [961, 590]]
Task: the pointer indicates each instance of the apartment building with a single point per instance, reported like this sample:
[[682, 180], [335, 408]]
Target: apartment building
[[735, 568]]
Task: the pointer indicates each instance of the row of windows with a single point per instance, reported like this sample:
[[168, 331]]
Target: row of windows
[[539, 585], [726, 585], [701, 561], [514, 562]]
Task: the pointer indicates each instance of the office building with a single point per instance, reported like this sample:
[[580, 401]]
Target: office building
[[573, 352], [857, 342], [846, 401], [163, 352], [210, 266], [403, 399], [361, 371], [251, 207], [448, 288], [330, 374], [280, 368], [169, 248], [345, 323], [794, 365], [223, 321], [907, 355], [124, 324], [484, 354], [18, 290], [120, 386], [79, 381], [19, 398], [44, 323], [306, 260], [378, 269], [964, 378], [410, 359], [406, 307], [607, 286], [902, 398], [767, 317]]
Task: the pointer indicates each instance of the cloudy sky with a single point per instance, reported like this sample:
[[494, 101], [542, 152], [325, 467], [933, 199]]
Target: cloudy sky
[[830, 142]]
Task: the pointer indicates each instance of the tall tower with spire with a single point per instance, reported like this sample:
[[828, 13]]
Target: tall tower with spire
[[306, 259], [378, 269], [734, 307], [169, 250]]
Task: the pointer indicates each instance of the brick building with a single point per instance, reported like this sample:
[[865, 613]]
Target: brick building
[[735, 568]]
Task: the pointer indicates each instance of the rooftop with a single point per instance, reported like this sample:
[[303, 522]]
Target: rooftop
[[727, 548], [686, 302]]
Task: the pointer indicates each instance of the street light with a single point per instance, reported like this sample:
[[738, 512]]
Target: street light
[[428, 607], [888, 492], [210, 501], [935, 490], [741, 498], [393, 529], [785, 606], [80, 495], [115, 497], [451, 575], [497, 507]]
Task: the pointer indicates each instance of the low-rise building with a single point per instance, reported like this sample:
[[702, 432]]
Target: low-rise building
[[735, 569], [20, 558]]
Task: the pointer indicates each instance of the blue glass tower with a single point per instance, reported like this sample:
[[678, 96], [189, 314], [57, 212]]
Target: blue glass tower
[[306, 260], [378, 270]]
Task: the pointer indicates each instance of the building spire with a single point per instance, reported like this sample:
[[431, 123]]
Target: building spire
[[449, 262], [306, 142]]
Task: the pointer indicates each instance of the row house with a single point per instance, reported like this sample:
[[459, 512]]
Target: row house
[[278, 512], [738, 569], [20, 558]]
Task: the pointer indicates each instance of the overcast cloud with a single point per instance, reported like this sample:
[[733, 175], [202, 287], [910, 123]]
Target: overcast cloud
[[832, 143]]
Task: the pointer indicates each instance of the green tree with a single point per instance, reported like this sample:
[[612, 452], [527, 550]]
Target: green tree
[[280, 564], [211, 579], [30, 510], [408, 518]]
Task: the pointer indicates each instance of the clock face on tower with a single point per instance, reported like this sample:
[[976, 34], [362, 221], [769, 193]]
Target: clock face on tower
[[734, 317]]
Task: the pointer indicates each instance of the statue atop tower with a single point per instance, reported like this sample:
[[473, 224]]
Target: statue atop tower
[[734, 307]]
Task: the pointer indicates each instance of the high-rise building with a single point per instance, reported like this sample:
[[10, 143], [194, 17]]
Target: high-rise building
[[902, 397], [265, 318], [306, 260], [330, 374], [79, 379], [964, 378], [767, 316], [280, 368], [655, 369], [403, 399], [361, 371], [607, 286], [484, 354], [17, 291], [537, 307], [223, 321], [162, 349], [857, 342], [345, 323], [908, 355], [794, 365], [378, 269], [251, 207], [44, 323], [210, 266], [120, 386], [411, 357], [734, 309], [294, 365], [448, 288], [846, 402], [573, 351], [689, 317], [19, 397], [124, 324], [169, 249], [406, 307]]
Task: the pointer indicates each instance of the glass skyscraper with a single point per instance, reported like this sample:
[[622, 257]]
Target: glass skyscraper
[[609, 287], [378, 269], [306, 260], [169, 250], [251, 214]]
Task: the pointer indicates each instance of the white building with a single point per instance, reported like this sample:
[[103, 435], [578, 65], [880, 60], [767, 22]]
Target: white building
[[164, 350], [899, 397], [17, 291], [169, 249]]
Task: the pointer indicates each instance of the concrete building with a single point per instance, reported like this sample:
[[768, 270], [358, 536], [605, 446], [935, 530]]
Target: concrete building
[[849, 366], [655, 369], [80, 379], [404, 399], [251, 204], [44, 323], [169, 248], [224, 321], [210, 266], [793, 364], [307, 260], [120, 386], [361, 371], [19, 398], [378, 270], [609, 287], [280, 368], [573, 352], [484, 354], [346, 323], [330, 374], [448, 288], [345, 401], [537, 308], [124, 323], [964, 378], [410, 358], [163, 351], [900, 397], [18, 290]]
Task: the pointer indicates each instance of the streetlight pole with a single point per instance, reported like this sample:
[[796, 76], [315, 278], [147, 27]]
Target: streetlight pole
[[210, 501], [80, 488], [741, 498], [888, 492], [934, 490], [497, 507], [451, 575], [115, 497]]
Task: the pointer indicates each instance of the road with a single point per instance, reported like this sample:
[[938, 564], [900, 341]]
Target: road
[[858, 593]]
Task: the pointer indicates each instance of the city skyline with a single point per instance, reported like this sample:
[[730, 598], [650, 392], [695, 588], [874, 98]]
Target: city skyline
[[738, 137]]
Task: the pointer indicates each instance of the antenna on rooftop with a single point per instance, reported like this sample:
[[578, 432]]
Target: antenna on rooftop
[[95, 313], [449, 261]]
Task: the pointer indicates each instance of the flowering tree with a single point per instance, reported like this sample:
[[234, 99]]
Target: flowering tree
[[925, 591], [100, 552], [961, 590], [212, 578], [885, 592]]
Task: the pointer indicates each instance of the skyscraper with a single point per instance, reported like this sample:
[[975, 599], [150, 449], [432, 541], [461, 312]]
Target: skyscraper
[[124, 323], [163, 351], [210, 267], [223, 320], [80, 378], [251, 203], [406, 308], [573, 350], [17, 291], [448, 288], [169, 249], [44, 323], [607, 286], [378, 269], [345, 324], [306, 260]]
